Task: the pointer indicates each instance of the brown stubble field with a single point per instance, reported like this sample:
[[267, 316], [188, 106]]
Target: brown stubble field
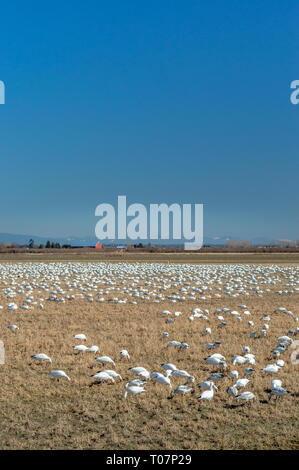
[[37, 412]]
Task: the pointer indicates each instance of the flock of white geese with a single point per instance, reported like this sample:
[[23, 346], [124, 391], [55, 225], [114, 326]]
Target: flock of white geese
[[172, 283]]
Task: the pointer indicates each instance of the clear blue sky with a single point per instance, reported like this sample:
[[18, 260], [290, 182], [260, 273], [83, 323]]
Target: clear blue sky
[[163, 101]]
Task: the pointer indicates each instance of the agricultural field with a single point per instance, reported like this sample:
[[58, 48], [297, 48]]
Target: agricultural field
[[244, 317]]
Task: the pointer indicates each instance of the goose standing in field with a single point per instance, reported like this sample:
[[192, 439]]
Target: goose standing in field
[[169, 366], [207, 395], [103, 377], [271, 369], [59, 374], [80, 348], [41, 357], [112, 373], [124, 353], [238, 360], [278, 392], [182, 390], [135, 382], [183, 374], [232, 391], [105, 360], [141, 372], [276, 383], [234, 374], [241, 383], [133, 390], [175, 344], [207, 384], [246, 396], [80, 336], [162, 379], [216, 360], [93, 349]]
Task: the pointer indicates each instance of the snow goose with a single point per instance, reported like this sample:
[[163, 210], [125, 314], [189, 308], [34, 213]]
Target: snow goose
[[41, 357], [59, 374], [133, 390], [207, 395], [124, 353], [80, 336], [105, 360], [182, 390]]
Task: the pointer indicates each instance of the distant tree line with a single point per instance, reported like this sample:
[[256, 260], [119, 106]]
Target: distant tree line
[[49, 244]]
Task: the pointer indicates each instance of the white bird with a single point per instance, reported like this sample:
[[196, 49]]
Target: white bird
[[280, 363], [234, 374], [248, 371], [218, 356], [241, 383], [208, 331], [278, 392], [246, 396], [207, 384], [141, 372], [103, 377], [180, 373], [246, 349], [93, 349], [81, 348], [207, 395], [133, 390], [113, 374], [276, 383], [165, 334], [271, 369], [137, 370], [59, 374], [105, 360], [238, 360], [169, 366], [41, 357], [176, 344], [233, 391], [80, 336], [181, 389], [124, 353], [285, 339], [215, 361], [250, 359], [162, 379], [136, 382]]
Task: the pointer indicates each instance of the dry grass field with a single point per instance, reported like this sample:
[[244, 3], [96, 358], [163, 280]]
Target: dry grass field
[[180, 257], [37, 412]]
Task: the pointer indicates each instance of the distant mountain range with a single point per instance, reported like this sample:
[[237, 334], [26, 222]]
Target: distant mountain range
[[90, 241]]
